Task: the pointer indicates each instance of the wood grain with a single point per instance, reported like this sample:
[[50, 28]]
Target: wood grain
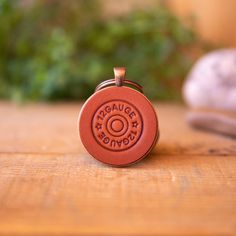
[[49, 185]]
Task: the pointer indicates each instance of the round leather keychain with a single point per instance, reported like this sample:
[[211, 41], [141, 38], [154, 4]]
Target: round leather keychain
[[118, 124]]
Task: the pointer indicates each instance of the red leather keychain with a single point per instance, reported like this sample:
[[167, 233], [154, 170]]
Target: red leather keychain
[[118, 124]]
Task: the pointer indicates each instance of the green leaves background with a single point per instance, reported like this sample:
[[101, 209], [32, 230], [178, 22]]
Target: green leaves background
[[60, 50]]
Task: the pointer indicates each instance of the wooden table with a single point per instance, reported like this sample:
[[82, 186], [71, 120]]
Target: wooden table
[[49, 185]]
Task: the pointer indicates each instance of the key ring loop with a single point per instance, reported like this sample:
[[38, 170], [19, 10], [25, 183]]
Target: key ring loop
[[119, 81]]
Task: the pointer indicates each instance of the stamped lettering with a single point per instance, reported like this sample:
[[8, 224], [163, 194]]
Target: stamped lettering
[[117, 125]]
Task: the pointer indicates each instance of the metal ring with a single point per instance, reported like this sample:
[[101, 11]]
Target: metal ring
[[111, 82]]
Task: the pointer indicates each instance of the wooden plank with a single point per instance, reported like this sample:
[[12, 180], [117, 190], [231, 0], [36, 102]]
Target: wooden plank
[[177, 195], [186, 187], [52, 129]]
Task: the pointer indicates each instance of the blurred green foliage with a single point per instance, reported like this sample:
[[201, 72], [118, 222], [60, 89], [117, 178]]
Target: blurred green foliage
[[52, 50]]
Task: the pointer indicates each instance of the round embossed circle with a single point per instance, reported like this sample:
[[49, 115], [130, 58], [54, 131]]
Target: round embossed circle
[[117, 125]]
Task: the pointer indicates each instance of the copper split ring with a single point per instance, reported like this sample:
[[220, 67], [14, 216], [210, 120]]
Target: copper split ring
[[119, 81]]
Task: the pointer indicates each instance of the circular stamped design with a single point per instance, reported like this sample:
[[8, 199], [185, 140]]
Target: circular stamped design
[[117, 125]]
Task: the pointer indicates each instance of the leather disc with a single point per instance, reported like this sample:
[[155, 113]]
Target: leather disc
[[118, 125]]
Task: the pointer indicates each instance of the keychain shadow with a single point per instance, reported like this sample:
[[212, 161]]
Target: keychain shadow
[[158, 153], [164, 151]]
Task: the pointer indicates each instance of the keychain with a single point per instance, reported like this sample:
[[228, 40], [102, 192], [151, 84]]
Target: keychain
[[118, 124]]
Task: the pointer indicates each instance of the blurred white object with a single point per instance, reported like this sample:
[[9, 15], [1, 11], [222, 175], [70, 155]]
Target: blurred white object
[[212, 82], [210, 92]]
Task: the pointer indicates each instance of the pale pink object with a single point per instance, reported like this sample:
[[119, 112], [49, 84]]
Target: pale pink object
[[211, 83], [210, 92]]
